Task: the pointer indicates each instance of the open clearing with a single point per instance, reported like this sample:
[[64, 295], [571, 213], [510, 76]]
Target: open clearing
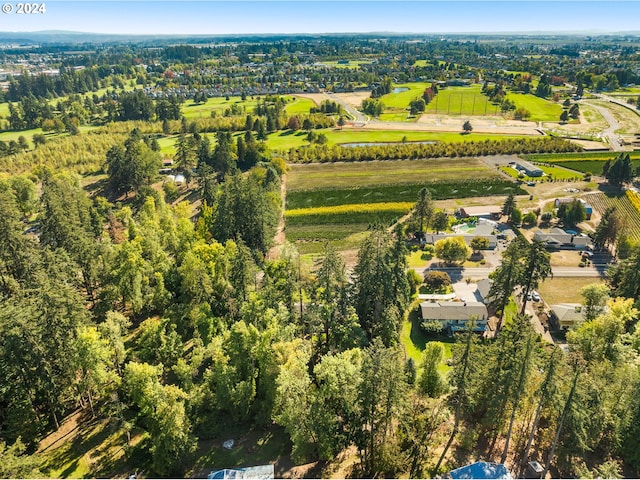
[[287, 139], [629, 121], [218, 105], [564, 290], [348, 175]]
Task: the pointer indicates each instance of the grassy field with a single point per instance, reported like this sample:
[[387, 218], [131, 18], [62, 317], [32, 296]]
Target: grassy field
[[466, 101], [316, 176], [422, 63], [287, 139], [400, 100], [351, 64], [299, 105], [591, 162], [399, 193], [579, 156], [564, 290], [541, 110], [217, 104], [191, 110]]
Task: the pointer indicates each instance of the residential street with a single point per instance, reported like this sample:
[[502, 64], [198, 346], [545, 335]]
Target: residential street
[[458, 273]]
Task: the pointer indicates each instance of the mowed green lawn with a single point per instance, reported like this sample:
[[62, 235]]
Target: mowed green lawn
[[296, 105], [287, 139], [541, 110], [217, 104], [318, 176], [401, 100], [467, 101], [351, 64], [299, 105]]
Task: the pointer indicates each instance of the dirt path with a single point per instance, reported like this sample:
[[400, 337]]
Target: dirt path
[[68, 431], [279, 238]]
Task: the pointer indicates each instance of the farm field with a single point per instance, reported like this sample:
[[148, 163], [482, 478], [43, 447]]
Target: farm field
[[316, 176], [338, 202], [582, 162], [601, 201]]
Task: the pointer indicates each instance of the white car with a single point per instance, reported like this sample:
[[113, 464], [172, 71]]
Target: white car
[[535, 296]]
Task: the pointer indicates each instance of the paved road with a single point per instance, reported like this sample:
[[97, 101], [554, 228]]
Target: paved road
[[457, 273], [610, 131], [358, 118]]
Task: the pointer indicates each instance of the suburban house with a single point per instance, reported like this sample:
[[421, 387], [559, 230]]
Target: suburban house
[[493, 212], [455, 315], [567, 315], [587, 208], [434, 237], [482, 290], [559, 239], [528, 169]]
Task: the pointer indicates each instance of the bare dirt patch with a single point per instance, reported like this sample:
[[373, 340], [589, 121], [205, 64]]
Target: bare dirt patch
[[318, 98], [488, 124], [353, 98]]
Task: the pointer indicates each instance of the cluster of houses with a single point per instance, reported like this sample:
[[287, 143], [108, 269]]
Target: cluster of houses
[[453, 312]]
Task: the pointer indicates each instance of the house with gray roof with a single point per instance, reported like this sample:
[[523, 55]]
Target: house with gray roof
[[455, 315], [528, 169], [432, 238], [559, 239], [568, 315]]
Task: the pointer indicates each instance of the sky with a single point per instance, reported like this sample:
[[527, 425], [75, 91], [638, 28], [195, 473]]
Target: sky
[[329, 16]]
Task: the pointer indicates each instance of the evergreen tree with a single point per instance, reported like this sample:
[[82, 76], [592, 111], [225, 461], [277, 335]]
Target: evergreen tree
[[537, 267]]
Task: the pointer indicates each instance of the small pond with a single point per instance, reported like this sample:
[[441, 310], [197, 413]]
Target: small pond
[[399, 89]]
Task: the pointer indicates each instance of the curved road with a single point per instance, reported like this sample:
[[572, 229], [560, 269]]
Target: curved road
[[359, 119], [610, 132]]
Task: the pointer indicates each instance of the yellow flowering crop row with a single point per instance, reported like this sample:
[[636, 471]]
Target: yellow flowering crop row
[[352, 208], [634, 198]]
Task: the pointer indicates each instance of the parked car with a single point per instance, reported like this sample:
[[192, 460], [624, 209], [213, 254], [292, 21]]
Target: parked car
[[535, 296], [587, 254]]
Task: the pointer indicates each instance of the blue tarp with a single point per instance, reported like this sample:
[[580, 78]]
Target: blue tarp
[[481, 471]]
